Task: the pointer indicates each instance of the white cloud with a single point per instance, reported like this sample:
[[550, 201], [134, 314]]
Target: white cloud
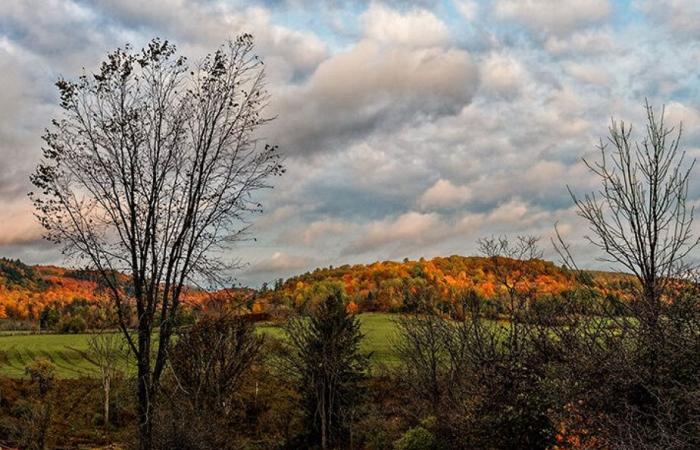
[[588, 73], [415, 28], [202, 26], [558, 17], [395, 85], [677, 112], [315, 232], [502, 74], [281, 262], [408, 230], [681, 17], [444, 194], [509, 213], [582, 43], [19, 226], [468, 8]]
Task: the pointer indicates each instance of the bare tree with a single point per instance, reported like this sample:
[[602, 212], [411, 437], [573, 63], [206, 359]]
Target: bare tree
[[634, 377], [208, 365], [510, 262], [640, 217], [108, 353], [149, 172], [421, 348], [482, 379]]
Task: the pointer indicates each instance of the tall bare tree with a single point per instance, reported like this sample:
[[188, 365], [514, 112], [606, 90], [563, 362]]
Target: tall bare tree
[[149, 172], [632, 371], [640, 217]]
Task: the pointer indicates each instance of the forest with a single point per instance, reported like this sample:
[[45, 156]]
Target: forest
[[41, 298]]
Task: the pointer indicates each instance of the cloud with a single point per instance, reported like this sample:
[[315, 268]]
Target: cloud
[[395, 86], [315, 232], [502, 75], [588, 73], [59, 30], [444, 194], [410, 128], [558, 17], [200, 26], [408, 73], [406, 231], [582, 43], [677, 113], [415, 28], [19, 227], [468, 8], [280, 262], [681, 17]]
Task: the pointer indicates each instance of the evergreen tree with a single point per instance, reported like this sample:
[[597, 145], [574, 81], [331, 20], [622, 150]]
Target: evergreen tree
[[323, 358]]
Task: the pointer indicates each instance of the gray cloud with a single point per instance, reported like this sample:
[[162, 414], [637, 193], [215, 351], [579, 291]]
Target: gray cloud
[[410, 128], [681, 17], [558, 17], [372, 87], [278, 263]]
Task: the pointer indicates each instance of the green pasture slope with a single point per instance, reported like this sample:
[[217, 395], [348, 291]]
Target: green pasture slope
[[18, 350], [63, 349]]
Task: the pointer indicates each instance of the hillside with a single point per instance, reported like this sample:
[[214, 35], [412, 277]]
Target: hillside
[[386, 286], [71, 300], [49, 294], [25, 291]]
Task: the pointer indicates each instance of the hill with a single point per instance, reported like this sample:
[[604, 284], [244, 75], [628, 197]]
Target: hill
[[26, 291], [70, 300], [387, 286]]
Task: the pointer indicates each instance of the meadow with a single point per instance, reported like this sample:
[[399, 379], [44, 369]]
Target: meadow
[[65, 350]]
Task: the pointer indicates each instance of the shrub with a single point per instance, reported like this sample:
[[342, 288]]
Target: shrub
[[72, 324], [416, 438]]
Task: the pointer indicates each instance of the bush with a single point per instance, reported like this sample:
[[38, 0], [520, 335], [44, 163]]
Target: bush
[[17, 325], [72, 325], [209, 361], [417, 438]]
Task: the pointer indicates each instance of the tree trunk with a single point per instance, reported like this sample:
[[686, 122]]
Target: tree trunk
[[144, 413], [106, 389], [146, 399], [324, 431]]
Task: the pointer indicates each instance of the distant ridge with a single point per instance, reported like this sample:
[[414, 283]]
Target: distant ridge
[[384, 285], [27, 291]]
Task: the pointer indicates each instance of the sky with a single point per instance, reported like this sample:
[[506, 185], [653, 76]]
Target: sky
[[409, 129]]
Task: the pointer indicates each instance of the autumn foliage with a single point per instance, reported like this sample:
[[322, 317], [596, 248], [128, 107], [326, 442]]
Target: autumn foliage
[[47, 294], [388, 286]]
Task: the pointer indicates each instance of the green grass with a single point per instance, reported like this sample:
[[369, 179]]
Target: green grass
[[380, 336], [379, 330], [64, 349]]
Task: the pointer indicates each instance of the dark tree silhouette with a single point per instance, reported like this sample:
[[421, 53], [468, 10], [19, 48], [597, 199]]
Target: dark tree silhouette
[[208, 364], [640, 217], [149, 172], [631, 370], [323, 358]]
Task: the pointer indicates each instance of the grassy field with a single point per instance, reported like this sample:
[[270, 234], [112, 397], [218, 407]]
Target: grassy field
[[64, 349]]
